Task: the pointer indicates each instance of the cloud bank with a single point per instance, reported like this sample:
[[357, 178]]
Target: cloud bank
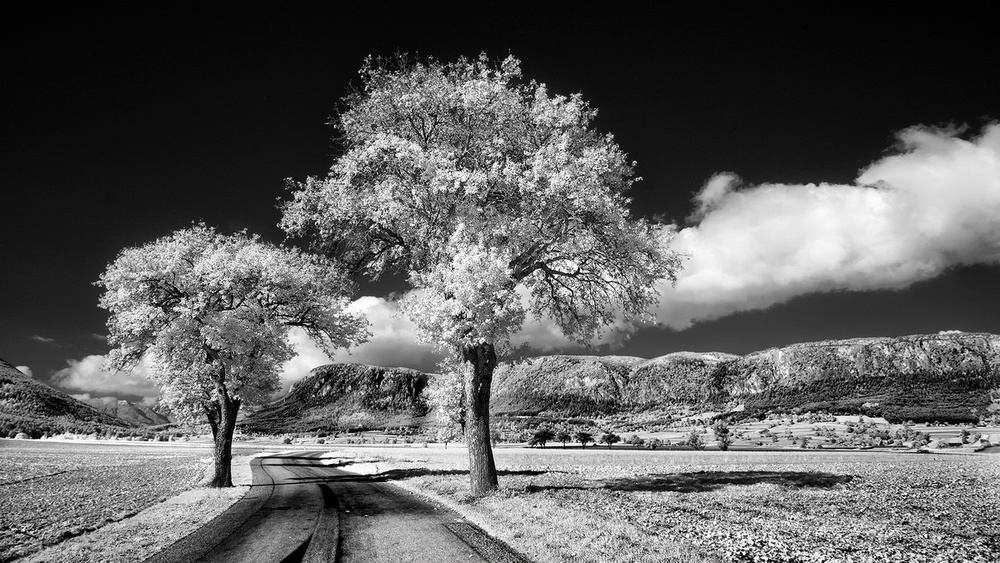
[[25, 370], [931, 205], [88, 376]]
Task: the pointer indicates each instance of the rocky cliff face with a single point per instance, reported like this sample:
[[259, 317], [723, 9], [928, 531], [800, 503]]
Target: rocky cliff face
[[947, 377], [950, 377], [345, 397], [579, 385]]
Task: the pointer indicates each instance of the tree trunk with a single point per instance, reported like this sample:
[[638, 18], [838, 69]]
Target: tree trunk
[[222, 431], [482, 468]]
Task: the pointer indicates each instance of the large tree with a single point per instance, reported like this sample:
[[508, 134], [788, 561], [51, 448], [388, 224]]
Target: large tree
[[494, 198], [211, 314]]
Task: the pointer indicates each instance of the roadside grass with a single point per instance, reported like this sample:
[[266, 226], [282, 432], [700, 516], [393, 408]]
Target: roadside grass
[[98, 502], [629, 506]]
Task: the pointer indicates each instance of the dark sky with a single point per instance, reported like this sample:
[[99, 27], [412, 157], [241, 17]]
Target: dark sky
[[124, 121]]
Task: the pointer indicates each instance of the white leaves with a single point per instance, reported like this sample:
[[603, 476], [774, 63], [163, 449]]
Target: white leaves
[[474, 185], [216, 310], [467, 298]]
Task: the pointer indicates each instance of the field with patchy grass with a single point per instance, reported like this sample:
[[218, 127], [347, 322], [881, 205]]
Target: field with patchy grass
[[555, 504], [597, 505], [51, 491]]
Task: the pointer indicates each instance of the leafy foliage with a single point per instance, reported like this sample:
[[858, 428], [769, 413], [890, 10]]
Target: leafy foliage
[[722, 434], [475, 184], [610, 438], [215, 310], [541, 436], [212, 314], [563, 436], [496, 200], [695, 440]]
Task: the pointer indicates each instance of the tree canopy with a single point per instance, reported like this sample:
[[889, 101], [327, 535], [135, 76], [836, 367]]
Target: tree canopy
[[495, 199], [211, 314]]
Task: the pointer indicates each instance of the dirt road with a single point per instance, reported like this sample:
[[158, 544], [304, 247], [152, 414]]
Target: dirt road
[[302, 510]]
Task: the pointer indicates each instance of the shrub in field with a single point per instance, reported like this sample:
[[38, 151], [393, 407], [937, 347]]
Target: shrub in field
[[610, 438], [563, 436], [695, 440], [635, 440], [541, 436], [584, 437], [722, 434]]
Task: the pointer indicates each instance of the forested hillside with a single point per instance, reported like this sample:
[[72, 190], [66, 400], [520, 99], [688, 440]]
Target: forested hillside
[[35, 409]]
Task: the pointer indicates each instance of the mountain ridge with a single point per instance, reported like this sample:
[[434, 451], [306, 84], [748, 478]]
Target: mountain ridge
[[35, 408], [345, 396], [949, 377]]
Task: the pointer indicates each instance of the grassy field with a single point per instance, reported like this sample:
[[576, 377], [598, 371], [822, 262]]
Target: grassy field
[[555, 504], [51, 491], [597, 505]]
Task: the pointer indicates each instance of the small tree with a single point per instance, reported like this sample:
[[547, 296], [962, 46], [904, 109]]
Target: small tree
[[722, 435], [563, 436], [542, 435], [584, 437], [495, 199], [635, 440], [695, 440], [447, 434], [610, 439], [654, 443], [211, 314]]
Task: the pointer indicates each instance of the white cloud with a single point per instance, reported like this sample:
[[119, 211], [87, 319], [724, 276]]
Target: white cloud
[[25, 370], [43, 339], [87, 375], [909, 216], [393, 344]]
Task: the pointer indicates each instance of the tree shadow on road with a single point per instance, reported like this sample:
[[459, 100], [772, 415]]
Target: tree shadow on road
[[705, 481]]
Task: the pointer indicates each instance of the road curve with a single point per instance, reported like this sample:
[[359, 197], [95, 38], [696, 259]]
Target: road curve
[[300, 510]]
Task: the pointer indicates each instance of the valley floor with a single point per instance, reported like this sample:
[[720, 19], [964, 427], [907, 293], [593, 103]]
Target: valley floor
[[597, 505], [589, 505]]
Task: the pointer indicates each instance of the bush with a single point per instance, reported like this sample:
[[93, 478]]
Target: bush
[[610, 439], [722, 434], [541, 435], [694, 440], [635, 440], [563, 436]]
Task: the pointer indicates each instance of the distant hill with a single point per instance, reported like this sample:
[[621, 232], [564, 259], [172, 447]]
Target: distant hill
[[34, 408], [134, 413], [345, 397], [573, 385], [947, 377]]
